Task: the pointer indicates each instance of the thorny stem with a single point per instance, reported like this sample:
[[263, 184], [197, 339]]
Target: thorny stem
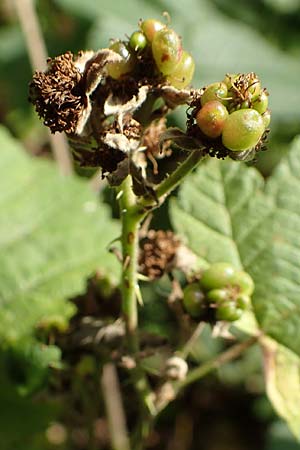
[[130, 228]]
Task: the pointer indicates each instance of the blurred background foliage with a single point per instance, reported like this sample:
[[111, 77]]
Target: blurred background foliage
[[224, 36]]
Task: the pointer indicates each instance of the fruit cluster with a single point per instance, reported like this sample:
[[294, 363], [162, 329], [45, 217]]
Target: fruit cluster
[[222, 290], [163, 45], [235, 110]]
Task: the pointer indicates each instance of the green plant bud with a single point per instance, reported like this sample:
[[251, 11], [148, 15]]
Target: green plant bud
[[266, 118], [244, 281], [261, 103], [166, 50], [242, 130], [218, 275], [193, 300], [183, 74], [150, 27], [211, 118], [243, 301], [217, 295], [117, 69], [228, 311], [215, 91], [137, 41]]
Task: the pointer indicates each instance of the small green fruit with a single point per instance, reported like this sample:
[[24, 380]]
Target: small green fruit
[[242, 130], [244, 281], [137, 41], [217, 295], [183, 74], [218, 275], [266, 118], [166, 50], [228, 311], [261, 103], [193, 300], [215, 91], [211, 118], [243, 301], [117, 69]]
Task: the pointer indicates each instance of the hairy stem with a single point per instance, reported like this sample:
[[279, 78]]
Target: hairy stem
[[130, 229]]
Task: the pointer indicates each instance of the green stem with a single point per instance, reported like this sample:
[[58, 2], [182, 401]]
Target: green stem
[[173, 180], [130, 228], [207, 367], [130, 239], [232, 353]]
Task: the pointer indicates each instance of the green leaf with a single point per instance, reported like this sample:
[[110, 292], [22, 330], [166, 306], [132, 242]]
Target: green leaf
[[282, 377], [225, 213], [53, 234]]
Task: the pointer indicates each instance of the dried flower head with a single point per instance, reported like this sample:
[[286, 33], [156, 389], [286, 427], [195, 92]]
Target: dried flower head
[[58, 94], [158, 252]]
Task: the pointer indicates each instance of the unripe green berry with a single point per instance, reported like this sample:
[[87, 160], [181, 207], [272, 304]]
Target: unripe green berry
[[266, 118], [230, 79], [244, 281], [137, 41], [242, 130], [243, 301], [228, 311], [117, 69], [183, 74], [218, 275], [217, 295], [150, 27], [215, 91], [211, 118], [166, 50], [193, 300], [261, 103]]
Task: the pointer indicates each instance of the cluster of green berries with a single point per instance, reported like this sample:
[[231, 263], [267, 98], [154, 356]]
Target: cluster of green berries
[[164, 45], [222, 290], [235, 109]]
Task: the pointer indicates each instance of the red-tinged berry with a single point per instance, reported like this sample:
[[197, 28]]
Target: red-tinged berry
[[150, 27], [242, 130], [215, 91], [211, 118], [166, 50], [183, 74]]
